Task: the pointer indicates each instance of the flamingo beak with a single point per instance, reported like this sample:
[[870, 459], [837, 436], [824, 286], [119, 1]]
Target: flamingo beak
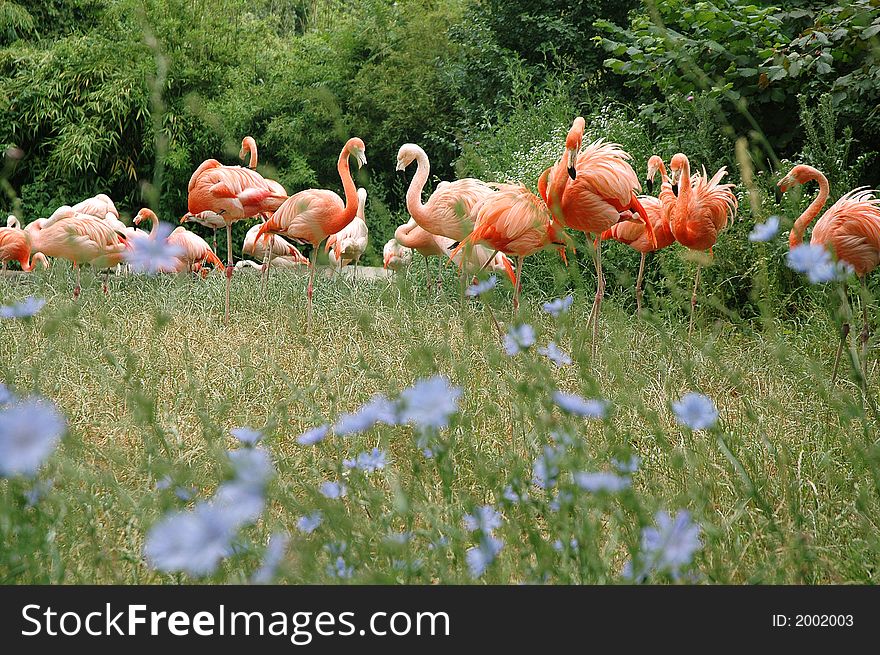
[[649, 183], [400, 166], [572, 161]]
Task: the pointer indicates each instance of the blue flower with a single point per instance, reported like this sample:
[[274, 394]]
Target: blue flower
[[240, 503], [695, 411], [484, 518], [574, 404], [252, 466], [442, 542], [559, 547], [629, 466], [561, 498], [545, 469], [377, 410], [309, 523], [514, 496], [5, 394], [765, 231], [247, 436], [154, 253], [164, 483], [29, 431], [519, 338], [555, 355], [272, 558], [339, 569], [186, 493], [671, 545], [333, 490], [192, 542], [481, 287], [38, 491], [313, 436], [564, 437], [815, 262], [479, 557], [24, 309], [429, 403], [559, 306], [367, 461], [601, 481]]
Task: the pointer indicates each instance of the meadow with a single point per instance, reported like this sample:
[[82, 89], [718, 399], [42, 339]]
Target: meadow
[[783, 487]]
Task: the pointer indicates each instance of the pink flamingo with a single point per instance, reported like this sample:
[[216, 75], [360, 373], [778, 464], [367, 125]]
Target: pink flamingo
[[448, 211], [195, 249], [312, 215], [395, 256], [98, 206], [349, 244], [515, 221], [850, 229], [701, 211], [234, 193], [633, 233], [208, 219], [80, 238], [587, 191], [15, 247], [249, 146]]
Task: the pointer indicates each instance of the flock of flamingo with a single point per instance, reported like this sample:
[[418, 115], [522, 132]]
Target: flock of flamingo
[[478, 225]]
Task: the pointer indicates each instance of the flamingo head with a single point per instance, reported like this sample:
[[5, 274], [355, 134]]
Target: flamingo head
[[405, 156], [358, 150], [676, 166], [654, 165], [362, 201], [247, 145], [144, 215], [573, 145], [797, 175], [12, 221]]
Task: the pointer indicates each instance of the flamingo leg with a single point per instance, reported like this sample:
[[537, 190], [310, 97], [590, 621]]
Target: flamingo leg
[[427, 273], [600, 293], [844, 332], [694, 301], [215, 239], [639, 286], [78, 287], [311, 286], [229, 267], [516, 288], [105, 287], [264, 276], [864, 335]]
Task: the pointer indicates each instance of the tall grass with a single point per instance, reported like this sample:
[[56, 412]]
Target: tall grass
[[785, 487]]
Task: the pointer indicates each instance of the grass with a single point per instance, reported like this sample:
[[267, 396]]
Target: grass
[[785, 488]]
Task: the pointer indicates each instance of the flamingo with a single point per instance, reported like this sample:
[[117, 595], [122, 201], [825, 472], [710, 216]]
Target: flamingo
[[208, 219], [249, 146], [396, 256], [850, 228], [98, 206], [349, 244], [587, 191], [15, 247], [195, 249], [448, 211], [80, 238], [312, 215], [277, 262], [411, 235], [515, 221], [633, 233], [279, 248], [234, 193], [700, 212]]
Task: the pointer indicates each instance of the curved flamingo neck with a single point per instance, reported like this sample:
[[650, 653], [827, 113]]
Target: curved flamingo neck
[[351, 198], [558, 182], [414, 193], [796, 237], [249, 145], [685, 193], [664, 176]]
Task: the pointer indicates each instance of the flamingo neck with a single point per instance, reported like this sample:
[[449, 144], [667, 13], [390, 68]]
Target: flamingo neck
[[558, 182], [351, 198], [685, 192], [664, 177], [252, 148], [414, 193], [796, 237]]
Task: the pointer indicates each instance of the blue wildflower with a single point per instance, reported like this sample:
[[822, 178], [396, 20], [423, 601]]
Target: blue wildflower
[[559, 546], [561, 498], [367, 461], [377, 410], [241, 502], [515, 496], [765, 231], [272, 558], [429, 403], [339, 569], [29, 431], [816, 263], [481, 287], [670, 545], [186, 493], [559, 306], [247, 436], [555, 355], [154, 253], [192, 542], [479, 557], [519, 338], [333, 490], [24, 309], [629, 466], [484, 519], [601, 481], [574, 404], [545, 469], [252, 466], [313, 436], [309, 523], [695, 411], [38, 491], [164, 483]]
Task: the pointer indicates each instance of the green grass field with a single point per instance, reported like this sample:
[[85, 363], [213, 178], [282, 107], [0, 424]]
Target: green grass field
[[785, 488]]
